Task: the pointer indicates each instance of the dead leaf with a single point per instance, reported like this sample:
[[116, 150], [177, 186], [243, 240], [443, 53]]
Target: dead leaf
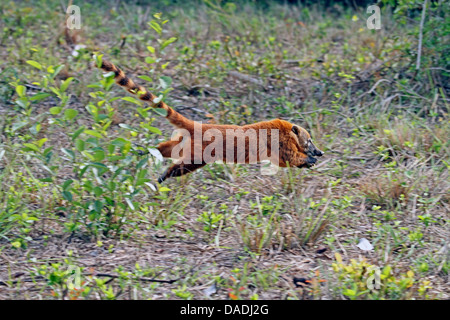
[[364, 245]]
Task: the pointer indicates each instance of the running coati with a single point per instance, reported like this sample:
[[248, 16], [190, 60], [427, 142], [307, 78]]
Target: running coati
[[281, 142]]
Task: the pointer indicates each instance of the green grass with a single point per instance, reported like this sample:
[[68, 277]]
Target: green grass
[[78, 171]]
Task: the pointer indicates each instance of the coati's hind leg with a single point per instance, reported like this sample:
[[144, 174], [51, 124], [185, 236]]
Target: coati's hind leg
[[180, 169]]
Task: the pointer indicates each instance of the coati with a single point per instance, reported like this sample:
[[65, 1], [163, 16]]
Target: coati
[[282, 143]]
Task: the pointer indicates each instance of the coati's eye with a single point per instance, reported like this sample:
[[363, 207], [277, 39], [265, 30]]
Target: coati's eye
[[295, 130]]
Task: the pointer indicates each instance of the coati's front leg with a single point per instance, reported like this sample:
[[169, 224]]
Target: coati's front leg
[[310, 161], [180, 169], [166, 148]]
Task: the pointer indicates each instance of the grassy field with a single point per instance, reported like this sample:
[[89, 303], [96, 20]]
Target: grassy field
[[81, 213]]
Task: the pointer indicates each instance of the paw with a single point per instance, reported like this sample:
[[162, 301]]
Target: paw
[[163, 177], [310, 161]]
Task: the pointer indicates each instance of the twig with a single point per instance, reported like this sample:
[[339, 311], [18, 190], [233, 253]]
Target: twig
[[373, 88], [419, 50], [245, 77], [112, 276], [190, 108], [7, 283], [63, 6], [140, 279], [438, 68]]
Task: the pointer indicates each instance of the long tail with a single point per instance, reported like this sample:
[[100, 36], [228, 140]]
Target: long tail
[[122, 80]]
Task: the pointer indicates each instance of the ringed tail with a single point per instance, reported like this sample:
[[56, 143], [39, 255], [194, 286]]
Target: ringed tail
[[122, 80]]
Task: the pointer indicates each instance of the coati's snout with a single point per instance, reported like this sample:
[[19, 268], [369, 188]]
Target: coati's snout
[[312, 150]]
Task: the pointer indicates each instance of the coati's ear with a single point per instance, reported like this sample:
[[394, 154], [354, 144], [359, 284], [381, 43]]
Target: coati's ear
[[295, 129]]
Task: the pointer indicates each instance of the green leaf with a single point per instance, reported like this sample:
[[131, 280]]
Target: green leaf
[[92, 109], [93, 133], [78, 132], [68, 153], [67, 195], [111, 148], [31, 146], [18, 125], [126, 148], [150, 128], [125, 126], [108, 74], [142, 173], [87, 155], [97, 85], [65, 84], [142, 163], [150, 60], [151, 186], [155, 25], [158, 99], [22, 102], [69, 114], [111, 185], [151, 49], [57, 70], [120, 142], [130, 204], [35, 128], [165, 92], [98, 60], [156, 153], [164, 66], [99, 155], [98, 191], [167, 42], [55, 110], [83, 171], [39, 96], [66, 184], [35, 64], [350, 292], [146, 78], [161, 111], [141, 181], [133, 100], [115, 158], [47, 150], [142, 112], [21, 90], [386, 271], [16, 244], [165, 82], [41, 142], [80, 145], [55, 91]]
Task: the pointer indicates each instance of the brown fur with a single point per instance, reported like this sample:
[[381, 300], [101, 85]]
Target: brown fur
[[295, 146]]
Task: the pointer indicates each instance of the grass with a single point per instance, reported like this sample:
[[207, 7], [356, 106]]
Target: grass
[[81, 214]]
